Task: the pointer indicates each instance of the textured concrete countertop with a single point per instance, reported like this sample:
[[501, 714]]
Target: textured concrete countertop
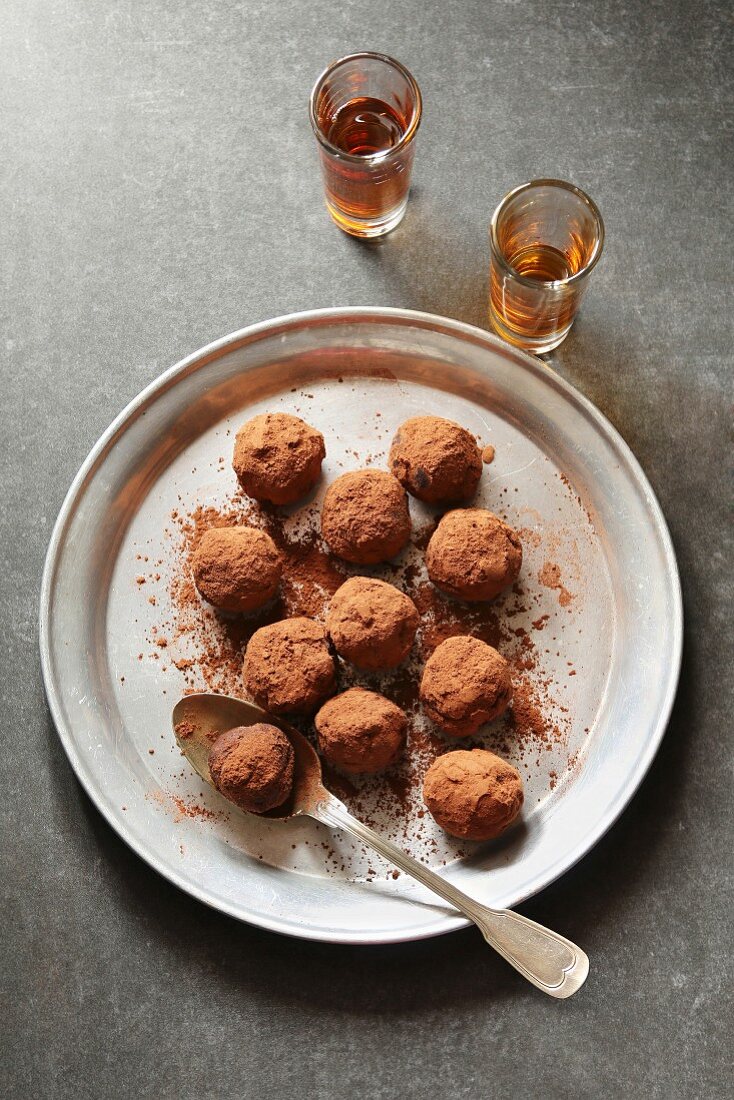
[[159, 188]]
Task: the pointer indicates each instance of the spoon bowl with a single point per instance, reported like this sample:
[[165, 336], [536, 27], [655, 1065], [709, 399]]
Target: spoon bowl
[[199, 719]]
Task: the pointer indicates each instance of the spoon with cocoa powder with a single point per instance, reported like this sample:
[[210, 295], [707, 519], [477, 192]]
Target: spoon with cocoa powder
[[285, 781]]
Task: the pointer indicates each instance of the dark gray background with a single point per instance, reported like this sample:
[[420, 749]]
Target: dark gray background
[[160, 189]]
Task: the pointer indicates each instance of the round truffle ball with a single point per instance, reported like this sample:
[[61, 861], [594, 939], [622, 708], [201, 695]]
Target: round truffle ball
[[253, 766], [237, 568], [365, 517], [371, 623], [473, 554], [289, 668], [473, 794], [465, 683], [436, 460], [361, 732], [277, 457]]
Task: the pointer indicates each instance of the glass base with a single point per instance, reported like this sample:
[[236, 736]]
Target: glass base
[[536, 345], [367, 230]]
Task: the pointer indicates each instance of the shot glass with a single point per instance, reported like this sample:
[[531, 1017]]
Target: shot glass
[[545, 239], [365, 111]]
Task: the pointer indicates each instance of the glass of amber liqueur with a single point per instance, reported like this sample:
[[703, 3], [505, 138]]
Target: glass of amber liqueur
[[545, 239], [365, 112]]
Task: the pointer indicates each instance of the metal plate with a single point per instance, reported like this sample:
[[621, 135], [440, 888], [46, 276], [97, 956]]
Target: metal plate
[[560, 471]]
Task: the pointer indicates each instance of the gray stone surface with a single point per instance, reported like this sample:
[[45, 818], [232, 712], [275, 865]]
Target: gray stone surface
[[159, 189]]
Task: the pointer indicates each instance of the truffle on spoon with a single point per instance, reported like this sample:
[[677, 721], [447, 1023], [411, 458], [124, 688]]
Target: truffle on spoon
[[252, 766]]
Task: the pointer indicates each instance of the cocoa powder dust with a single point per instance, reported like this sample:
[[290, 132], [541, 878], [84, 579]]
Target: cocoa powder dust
[[207, 648]]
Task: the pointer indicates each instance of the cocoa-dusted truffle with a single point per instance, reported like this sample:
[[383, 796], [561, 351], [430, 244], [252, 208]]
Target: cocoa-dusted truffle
[[473, 554], [288, 666], [465, 684], [252, 766], [473, 794], [237, 568], [277, 457], [360, 731], [371, 623], [365, 517], [436, 460]]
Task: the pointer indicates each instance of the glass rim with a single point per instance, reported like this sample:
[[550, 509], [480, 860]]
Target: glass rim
[[385, 153], [526, 280]]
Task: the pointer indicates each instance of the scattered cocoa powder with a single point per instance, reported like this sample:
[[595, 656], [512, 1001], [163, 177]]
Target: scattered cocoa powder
[[528, 718], [550, 577], [208, 649], [192, 809], [529, 536], [444, 618], [311, 576], [185, 808]]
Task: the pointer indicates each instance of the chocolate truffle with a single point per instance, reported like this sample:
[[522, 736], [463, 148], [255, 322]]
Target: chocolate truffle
[[277, 457], [288, 667], [252, 766], [237, 568], [473, 794], [365, 517], [473, 554], [361, 732], [465, 683], [436, 460], [371, 623]]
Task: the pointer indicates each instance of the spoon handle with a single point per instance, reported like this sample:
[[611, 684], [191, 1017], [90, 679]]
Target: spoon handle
[[549, 961]]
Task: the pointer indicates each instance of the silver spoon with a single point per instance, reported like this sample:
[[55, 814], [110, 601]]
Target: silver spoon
[[549, 961]]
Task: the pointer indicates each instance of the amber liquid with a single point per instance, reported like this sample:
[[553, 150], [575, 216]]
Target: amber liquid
[[356, 193], [541, 261], [365, 126], [538, 310]]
